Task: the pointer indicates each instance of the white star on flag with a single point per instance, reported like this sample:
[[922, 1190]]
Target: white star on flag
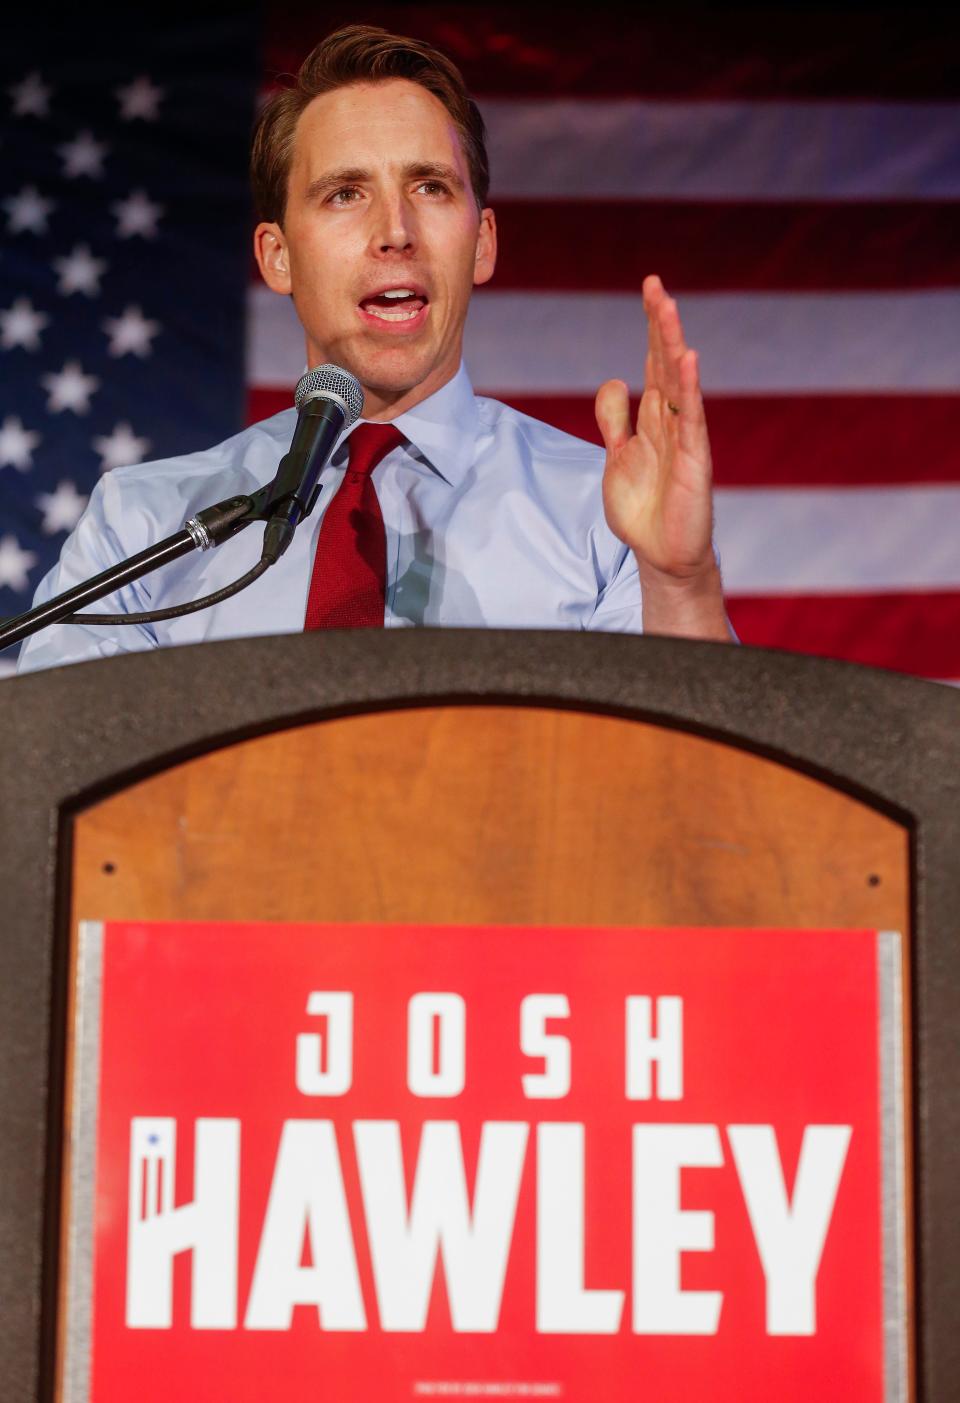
[[130, 333], [141, 98], [31, 97], [28, 211], [61, 509], [14, 563], [21, 325], [83, 156], [17, 444], [137, 214], [80, 272], [69, 388], [121, 448]]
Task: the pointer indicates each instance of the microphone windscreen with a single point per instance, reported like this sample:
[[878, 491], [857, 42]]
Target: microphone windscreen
[[332, 382]]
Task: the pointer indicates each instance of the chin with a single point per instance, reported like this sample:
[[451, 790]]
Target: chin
[[394, 371]]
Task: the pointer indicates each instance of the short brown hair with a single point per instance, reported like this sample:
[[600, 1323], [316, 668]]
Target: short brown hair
[[356, 54]]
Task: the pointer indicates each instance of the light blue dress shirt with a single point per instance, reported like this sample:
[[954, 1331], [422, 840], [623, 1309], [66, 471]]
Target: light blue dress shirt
[[493, 520]]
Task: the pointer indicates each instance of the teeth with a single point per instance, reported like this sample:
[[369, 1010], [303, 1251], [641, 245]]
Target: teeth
[[385, 316], [398, 292]]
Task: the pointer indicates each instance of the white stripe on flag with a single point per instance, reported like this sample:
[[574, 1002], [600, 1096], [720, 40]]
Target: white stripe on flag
[[749, 343], [275, 340], [803, 541], [570, 148]]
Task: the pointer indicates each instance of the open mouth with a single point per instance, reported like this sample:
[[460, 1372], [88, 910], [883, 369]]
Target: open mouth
[[397, 305]]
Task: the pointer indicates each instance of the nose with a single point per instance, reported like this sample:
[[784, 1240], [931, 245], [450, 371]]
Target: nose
[[393, 225]]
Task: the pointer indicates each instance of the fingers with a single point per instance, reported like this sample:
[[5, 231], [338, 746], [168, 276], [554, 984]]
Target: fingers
[[649, 408], [653, 296], [667, 345], [672, 403], [673, 348], [692, 433], [612, 409]]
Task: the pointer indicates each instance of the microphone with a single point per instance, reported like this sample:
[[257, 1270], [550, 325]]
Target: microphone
[[330, 400]]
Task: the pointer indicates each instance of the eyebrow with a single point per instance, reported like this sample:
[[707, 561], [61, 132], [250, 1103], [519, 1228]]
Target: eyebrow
[[356, 175]]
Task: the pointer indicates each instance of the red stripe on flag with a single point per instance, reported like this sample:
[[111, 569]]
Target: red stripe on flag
[[261, 404], [918, 633], [781, 440], [824, 441], [808, 440], [816, 246], [538, 49]]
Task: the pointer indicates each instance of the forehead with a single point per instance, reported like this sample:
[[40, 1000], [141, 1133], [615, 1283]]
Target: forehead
[[384, 124]]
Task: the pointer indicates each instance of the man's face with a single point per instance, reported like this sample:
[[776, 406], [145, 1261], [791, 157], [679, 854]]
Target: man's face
[[380, 206]]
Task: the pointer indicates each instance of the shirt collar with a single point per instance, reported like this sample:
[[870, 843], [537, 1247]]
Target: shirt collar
[[443, 427]]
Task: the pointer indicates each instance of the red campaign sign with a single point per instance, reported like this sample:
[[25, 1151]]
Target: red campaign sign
[[395, 1162]]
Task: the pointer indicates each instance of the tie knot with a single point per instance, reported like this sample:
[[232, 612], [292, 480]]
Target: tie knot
[[369, 444]]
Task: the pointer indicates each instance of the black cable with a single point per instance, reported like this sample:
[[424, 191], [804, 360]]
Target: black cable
[[176, 610]]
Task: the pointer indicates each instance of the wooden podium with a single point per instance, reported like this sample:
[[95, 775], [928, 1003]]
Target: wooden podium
[[471, 778]]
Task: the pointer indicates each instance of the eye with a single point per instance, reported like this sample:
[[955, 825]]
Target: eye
[[346, 195], [433, 187]]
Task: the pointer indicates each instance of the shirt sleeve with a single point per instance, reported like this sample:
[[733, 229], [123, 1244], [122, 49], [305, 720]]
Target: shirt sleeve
[[95, 545], [619, 607]]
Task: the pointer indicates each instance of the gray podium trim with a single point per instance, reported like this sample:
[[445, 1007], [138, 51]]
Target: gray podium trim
[[83, 1164], [892, 1166], [75, 734]]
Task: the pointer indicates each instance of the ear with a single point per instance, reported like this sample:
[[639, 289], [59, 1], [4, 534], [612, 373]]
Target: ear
[[273, 260], [486, 259]]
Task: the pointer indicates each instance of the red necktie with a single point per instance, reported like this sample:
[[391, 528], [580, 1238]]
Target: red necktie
[[349, 582]]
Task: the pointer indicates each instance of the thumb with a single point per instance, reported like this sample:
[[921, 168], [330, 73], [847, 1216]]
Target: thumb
[[612, 409]]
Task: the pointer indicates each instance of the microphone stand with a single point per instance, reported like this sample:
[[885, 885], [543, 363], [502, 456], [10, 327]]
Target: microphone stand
[[282, 504], [209, 528]]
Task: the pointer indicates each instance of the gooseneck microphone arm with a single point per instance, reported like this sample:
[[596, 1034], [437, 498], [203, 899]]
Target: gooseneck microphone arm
[[329, 400]]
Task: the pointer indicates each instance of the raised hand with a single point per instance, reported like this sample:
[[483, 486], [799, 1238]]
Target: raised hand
[[657, 492]]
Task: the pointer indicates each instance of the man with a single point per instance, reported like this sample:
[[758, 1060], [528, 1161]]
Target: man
[[371, 176]]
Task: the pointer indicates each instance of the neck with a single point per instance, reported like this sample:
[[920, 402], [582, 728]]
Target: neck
[[381, 404]]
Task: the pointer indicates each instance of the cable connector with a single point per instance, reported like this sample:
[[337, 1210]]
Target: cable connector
[[223, 520]]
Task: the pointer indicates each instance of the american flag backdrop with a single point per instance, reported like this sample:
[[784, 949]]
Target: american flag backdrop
[[794, 178]]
